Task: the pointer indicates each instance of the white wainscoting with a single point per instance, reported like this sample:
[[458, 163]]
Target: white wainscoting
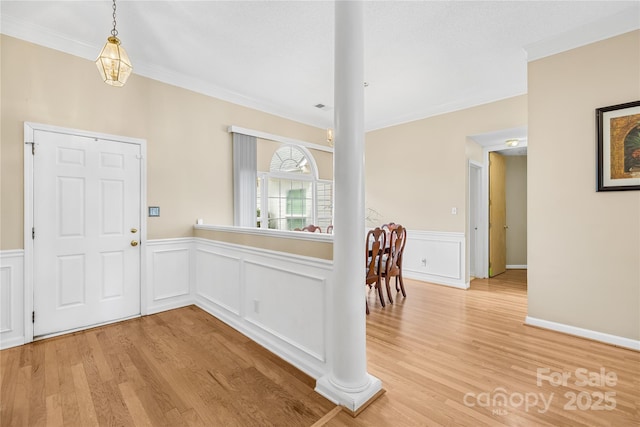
[[278, 300], [169, 275], [436, 257], [12, 315]]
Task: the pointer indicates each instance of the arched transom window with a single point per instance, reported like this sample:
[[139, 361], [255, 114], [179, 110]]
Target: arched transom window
[[290, 159]]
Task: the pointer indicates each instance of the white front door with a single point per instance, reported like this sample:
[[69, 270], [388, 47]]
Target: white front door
[[87, 213]]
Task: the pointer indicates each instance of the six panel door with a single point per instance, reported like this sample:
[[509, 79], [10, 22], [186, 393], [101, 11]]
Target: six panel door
[[87, 213]]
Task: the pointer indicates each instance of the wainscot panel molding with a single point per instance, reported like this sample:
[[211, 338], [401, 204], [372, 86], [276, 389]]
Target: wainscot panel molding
[[12, 318], [278, 300], [584, 333], [436, 257], [169, 275], [217, 279]]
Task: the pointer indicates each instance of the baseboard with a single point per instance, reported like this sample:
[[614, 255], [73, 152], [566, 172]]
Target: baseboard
[[517, 267], [11, 342], [438, 280], [158, 308], [584, 333]]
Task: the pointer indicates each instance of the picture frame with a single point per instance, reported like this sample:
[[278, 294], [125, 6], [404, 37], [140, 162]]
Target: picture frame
[[618, 163]]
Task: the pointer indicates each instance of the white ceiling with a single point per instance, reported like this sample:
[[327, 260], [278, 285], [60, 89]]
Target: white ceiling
[[423, 58]]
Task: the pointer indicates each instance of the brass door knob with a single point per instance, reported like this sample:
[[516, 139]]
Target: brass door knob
[[134, 243]]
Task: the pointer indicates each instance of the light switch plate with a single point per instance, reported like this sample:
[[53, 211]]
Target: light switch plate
[[154, 210]]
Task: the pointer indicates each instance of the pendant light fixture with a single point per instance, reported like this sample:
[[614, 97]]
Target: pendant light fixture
[[113, 63]]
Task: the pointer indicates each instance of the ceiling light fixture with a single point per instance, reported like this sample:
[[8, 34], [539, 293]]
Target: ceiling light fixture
[[512, 142], [113, 63]]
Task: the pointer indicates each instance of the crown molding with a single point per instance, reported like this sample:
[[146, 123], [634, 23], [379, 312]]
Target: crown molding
[[471, 101], [36, 34], [611, 26], [44, 37]]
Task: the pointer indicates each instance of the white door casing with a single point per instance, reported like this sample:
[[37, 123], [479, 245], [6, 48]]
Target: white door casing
[[87, 204], [475, 191]]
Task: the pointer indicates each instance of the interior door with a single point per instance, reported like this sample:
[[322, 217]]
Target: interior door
[[497, 215], [87, 213]]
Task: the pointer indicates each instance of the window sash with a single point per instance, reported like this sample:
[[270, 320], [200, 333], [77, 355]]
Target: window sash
[[322, 219]]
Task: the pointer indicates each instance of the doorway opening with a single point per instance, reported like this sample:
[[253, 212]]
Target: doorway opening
[[514, 226]]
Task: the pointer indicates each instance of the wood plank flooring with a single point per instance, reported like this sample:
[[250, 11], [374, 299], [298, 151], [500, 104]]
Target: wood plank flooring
[[440, 344], [178, 368], [445, 357]]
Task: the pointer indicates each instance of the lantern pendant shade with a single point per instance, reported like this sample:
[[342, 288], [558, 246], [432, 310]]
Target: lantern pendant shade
[[114, 63]]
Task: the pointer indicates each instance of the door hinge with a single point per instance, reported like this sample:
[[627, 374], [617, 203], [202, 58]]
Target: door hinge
[[33, 233], [33, 317]]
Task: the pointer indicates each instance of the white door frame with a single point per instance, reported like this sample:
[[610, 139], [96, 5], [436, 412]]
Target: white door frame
[[478, 249], [484, 202], [29, 129]]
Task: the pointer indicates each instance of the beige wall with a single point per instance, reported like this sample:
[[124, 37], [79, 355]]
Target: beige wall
[[188, 148], [516, 201], [416, 172], [474, 151], [584, 246], [322, 250]]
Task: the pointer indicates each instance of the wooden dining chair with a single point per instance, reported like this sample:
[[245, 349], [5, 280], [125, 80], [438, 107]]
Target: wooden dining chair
[[387, 229], [374, 251], [389, 226], [310, 228], [392, 263]]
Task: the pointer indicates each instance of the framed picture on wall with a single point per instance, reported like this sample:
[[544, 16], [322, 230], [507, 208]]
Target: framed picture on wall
[[618, 165]]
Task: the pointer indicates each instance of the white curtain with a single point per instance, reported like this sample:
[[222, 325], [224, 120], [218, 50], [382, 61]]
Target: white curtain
[[245, 165]]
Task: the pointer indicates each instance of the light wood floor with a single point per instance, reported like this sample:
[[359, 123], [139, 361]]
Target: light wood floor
[[178, 368], [440, 344], [439, 354]]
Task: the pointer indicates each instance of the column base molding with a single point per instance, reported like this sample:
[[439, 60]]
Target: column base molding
[[353, 403]]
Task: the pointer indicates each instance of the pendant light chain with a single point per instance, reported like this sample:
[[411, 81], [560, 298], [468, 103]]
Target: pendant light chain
[[114, 32]]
